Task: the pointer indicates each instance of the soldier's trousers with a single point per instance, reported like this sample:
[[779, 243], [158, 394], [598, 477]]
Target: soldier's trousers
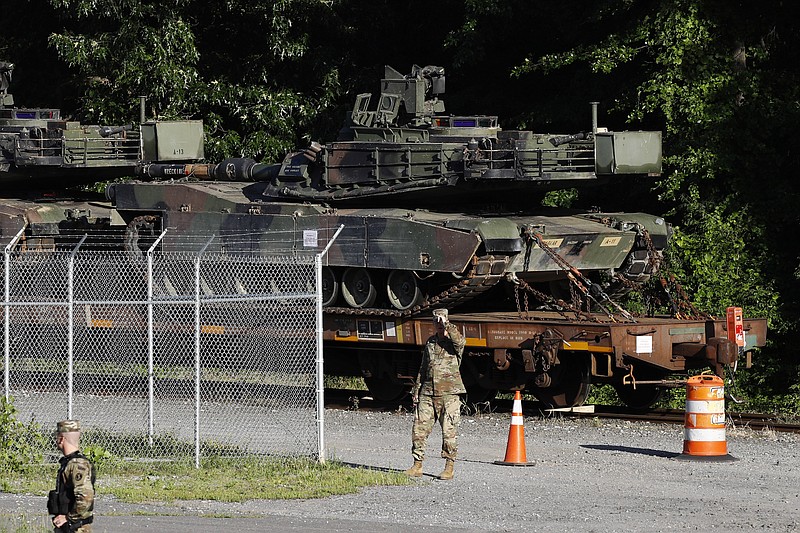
[[444, 409]]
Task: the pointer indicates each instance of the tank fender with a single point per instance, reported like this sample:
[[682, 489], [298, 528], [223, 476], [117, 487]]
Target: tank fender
[[499, 235], [660, 231]]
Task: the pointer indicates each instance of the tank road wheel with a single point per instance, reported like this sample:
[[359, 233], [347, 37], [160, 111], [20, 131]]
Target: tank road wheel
[[570, 384], [330, 287], [403, 289], [358, 288]]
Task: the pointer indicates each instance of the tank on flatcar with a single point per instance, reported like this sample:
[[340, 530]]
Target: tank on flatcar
[[437, 209]]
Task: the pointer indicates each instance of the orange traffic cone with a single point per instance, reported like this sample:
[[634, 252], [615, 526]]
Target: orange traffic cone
[[704, 427], [515, 449]]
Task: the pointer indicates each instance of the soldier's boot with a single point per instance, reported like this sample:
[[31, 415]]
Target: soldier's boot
[[447, 473], [416, 470]]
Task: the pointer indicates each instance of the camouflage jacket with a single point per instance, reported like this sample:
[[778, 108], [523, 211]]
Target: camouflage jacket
[[76, 477], [439, 372]]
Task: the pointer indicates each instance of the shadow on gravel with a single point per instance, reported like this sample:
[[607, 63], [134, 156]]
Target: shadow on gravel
[[478, 462], [628, 449], [371, 467], [389, 470], [381, 469]]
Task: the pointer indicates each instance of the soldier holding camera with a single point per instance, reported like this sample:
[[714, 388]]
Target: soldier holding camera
[[72, 503], [436, 394]]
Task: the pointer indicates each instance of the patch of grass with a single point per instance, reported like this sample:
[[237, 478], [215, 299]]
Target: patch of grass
[[226, 480], [23, 523], [344, 382], [603, 395]]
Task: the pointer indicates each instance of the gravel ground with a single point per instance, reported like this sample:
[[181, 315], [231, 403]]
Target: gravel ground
[[589, 475]]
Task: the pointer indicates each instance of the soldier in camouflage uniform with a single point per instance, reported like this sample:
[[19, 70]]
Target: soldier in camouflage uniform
[[436, 394], [72, 503]]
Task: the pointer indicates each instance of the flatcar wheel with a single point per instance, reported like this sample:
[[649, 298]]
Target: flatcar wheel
[[403, 290], [330, 286], [570, 385], [384, 389], [643, 396], [478, 394], [358, 288]]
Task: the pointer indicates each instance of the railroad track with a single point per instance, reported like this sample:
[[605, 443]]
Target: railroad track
[[361, 400], [676, 416]]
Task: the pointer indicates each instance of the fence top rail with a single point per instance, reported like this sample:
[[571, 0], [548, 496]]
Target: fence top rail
[[305, 258]]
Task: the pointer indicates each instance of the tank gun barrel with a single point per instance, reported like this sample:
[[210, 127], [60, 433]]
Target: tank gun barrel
[[233, 169], [108, 131], [564, 139], [159, 171]]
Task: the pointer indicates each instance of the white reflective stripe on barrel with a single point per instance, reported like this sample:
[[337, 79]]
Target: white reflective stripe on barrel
[[705, 406], [705, 435]]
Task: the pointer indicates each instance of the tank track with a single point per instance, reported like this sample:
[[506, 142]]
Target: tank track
[[484, 274]]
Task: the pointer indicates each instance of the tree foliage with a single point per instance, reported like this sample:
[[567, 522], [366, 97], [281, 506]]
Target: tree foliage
[[21, 444], [252, 70], [723, 79]]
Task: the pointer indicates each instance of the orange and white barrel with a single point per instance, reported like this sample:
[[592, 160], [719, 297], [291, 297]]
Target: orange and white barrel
[[704, 428]]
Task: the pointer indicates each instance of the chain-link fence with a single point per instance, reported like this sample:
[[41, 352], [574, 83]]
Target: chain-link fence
[[167, 354]]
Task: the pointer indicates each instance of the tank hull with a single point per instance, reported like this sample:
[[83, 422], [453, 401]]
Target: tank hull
[[440, 250]]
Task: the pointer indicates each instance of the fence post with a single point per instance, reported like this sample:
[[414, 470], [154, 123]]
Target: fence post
[[320, 355], [197, 353], [70, 322], [150, 384], [7, 310]]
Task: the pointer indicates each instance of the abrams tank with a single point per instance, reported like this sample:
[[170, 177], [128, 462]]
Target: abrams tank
[[435, 209]]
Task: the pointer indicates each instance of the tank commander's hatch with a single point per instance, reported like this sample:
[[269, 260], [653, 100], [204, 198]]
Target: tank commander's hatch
[[385, 114]]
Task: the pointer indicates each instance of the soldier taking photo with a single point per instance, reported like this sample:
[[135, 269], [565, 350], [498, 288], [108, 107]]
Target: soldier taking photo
[[436, 394], [72, 503]]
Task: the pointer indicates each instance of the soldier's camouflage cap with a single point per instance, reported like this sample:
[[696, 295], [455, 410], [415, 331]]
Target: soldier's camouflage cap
[[68, 426], [440, 313]]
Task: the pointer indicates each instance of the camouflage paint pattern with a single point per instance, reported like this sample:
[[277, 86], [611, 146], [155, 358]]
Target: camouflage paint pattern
[[436, 391], [415, 189], [75, 476], [390, 238], [439, 372], [430, 409]]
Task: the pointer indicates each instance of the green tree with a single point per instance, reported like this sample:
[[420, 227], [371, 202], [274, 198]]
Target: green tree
[[243, 67], [21, 444], [722, 78]]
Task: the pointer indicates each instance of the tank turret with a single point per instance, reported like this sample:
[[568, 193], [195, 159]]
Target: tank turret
[[40, 148], [437, 209], [43, 155], [403, 150]]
